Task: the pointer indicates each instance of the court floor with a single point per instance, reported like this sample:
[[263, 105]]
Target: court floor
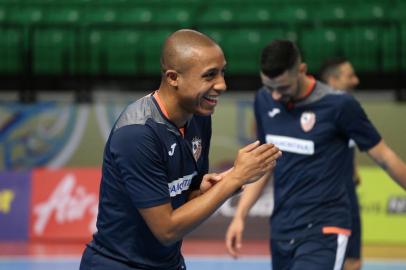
[[193, 263], [199, 255]]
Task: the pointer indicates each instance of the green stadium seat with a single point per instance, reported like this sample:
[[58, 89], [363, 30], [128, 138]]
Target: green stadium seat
[[183, 3], [136, 16], [180, 17], [330, 12], [255, 14], [243, 48], [390, 49], [252, 15], [54, 52], [318, 44], [24, 15], [290, 13], [11, 51], [368, 11], [403, 48], [39, 2], [61, 15], [164, 4], [77, 2], [243, 2], [398, 11], [152, 50], [114, 52], [362, 46], [10, 2], [98, 16], [216, 15], [3, 12], [111, 2], [372, 34]]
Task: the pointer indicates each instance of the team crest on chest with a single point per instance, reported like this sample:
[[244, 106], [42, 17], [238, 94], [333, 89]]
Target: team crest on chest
[[197, 147], [307, 121]]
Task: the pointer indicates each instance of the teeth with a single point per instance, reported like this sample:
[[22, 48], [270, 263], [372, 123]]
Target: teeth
[[212, 97]]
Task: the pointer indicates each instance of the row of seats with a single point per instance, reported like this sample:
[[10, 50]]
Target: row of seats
[[200, 16], [32, 16], [371, 49], [125, 51], [285, 13], [162, 2]]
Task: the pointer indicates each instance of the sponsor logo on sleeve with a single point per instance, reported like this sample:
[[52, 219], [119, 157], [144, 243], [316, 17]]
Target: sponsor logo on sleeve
[[177, 186]]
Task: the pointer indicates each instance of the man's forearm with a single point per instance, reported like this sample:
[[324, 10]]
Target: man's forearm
[[194, 212], [396, 168], [250, 195], [390, 162]]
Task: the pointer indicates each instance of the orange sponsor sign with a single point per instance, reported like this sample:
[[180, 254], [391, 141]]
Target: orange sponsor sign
[[64, 203]]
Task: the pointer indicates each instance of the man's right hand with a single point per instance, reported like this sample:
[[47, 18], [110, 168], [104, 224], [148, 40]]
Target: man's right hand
[[254, 160], [234, 237]]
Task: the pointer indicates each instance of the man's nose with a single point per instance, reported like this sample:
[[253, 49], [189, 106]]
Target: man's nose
[[220, 84]]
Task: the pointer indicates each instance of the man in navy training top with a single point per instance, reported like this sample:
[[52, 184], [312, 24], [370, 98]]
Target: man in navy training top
[[338, 73], [312, 124], [155, 187]]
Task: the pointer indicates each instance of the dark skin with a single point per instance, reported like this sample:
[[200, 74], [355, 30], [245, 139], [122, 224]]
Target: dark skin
[[193, 79]]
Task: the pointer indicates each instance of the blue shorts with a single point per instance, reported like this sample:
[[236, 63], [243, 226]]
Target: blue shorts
[[316, 252], [92, 260], [354, 242]]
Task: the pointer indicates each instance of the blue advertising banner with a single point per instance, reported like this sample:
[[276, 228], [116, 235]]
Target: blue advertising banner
[[14, 205]]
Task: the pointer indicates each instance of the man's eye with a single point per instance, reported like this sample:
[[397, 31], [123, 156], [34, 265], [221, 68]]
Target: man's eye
[[209, 75]]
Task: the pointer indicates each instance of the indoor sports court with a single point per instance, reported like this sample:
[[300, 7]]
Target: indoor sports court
[[200, 254]]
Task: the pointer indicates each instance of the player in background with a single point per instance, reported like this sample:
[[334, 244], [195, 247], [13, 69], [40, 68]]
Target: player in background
[[339, 73], [312, 124]]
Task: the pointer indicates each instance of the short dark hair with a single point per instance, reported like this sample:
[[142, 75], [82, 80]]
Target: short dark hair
[[278, 56], [330, 67]]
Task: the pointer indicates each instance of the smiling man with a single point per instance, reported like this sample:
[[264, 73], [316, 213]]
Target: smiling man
[[311, 220], [155, 187]]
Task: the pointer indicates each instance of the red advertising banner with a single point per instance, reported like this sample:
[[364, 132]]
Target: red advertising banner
[[64, 203]]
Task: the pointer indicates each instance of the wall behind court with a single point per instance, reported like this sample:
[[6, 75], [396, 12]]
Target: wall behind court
[[63, 135]]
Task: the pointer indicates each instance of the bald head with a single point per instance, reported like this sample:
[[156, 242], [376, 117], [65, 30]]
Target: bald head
[[181, 47]]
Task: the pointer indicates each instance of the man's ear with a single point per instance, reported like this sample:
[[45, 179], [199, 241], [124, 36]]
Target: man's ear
[[303, 68], [171, 77]]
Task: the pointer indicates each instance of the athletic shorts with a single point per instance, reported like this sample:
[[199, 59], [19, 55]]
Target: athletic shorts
[[92, 260], [316, 252], [354, 242]]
